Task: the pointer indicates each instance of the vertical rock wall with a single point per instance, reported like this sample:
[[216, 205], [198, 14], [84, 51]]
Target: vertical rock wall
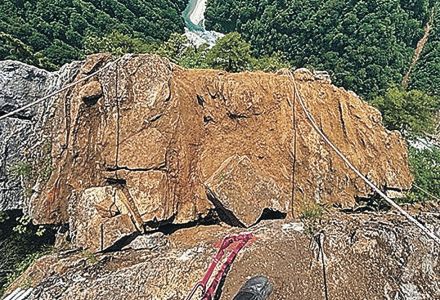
[[24, 147], [146, 143]]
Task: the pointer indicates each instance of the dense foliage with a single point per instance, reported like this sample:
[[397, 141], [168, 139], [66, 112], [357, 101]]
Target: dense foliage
[[231, 53], [426, 75], [425, 165], [49, 33], [20, 244], [365, 45], [410, 112]]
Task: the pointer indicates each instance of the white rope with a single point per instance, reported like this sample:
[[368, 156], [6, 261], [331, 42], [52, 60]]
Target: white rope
[[57, 92], [12, 295], [428, 232]]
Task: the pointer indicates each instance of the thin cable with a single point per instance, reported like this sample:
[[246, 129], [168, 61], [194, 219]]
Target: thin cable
[[294, 128], [297, 94], [426, 192], [57, 92], [117, 119]]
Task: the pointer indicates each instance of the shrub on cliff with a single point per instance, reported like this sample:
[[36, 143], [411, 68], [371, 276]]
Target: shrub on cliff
[[20, 244], [231, 53], [410, 112], [425, 165]]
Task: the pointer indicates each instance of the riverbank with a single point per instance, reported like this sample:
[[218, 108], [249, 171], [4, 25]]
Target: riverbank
[[194, 18], [193, 15]]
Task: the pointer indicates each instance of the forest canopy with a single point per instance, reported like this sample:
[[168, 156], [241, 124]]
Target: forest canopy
[[50, 33], [367, 46]]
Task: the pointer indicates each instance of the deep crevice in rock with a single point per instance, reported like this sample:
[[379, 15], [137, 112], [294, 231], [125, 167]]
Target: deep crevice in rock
[[270, 214], [167, 227], [235, 116], [207, 119], [389, 188], [200, 100], [116, 181], [121, 243], [224, 214], [161, 167], [154, 118], [91, 100], [367, 204]]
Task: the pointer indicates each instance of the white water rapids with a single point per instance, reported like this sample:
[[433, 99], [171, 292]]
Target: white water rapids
[[194, 17]]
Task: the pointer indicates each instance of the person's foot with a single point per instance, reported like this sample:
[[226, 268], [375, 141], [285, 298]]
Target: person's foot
[[256, 288]]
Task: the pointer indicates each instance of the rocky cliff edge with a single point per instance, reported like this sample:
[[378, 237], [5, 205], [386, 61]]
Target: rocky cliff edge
[[149, 164]]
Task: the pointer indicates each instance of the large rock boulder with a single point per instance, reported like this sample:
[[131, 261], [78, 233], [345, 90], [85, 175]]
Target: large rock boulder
[[175, 146], [242, 194]]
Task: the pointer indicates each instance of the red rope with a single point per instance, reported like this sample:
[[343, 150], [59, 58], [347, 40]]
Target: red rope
[[241, 240]]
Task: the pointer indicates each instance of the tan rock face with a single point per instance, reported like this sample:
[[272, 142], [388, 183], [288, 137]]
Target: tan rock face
[[162, 136], [100, 218], [239, 190]]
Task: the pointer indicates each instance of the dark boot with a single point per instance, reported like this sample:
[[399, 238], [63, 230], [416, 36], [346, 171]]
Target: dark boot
[[256, 288]]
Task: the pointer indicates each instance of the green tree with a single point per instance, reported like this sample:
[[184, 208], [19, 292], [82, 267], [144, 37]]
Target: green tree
[[13, 48], [270, 63], [425, 165], [366, 46], [411, 112], [116, 43], [175, 47], [195, 58], [231, 53]]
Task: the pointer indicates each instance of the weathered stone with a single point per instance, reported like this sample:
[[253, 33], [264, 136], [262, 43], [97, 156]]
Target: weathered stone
[[152, 241], [91, 92], [159, 133], [100, 218], [149, 191], [366, 257], [243, 193], [323, 76], [23, 142], [304, 74]]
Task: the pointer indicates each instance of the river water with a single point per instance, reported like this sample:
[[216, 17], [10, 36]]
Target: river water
[[194, 18]]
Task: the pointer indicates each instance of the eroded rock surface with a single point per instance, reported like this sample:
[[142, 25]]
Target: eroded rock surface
[[24, 146], [147, 143], [379, 256]]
